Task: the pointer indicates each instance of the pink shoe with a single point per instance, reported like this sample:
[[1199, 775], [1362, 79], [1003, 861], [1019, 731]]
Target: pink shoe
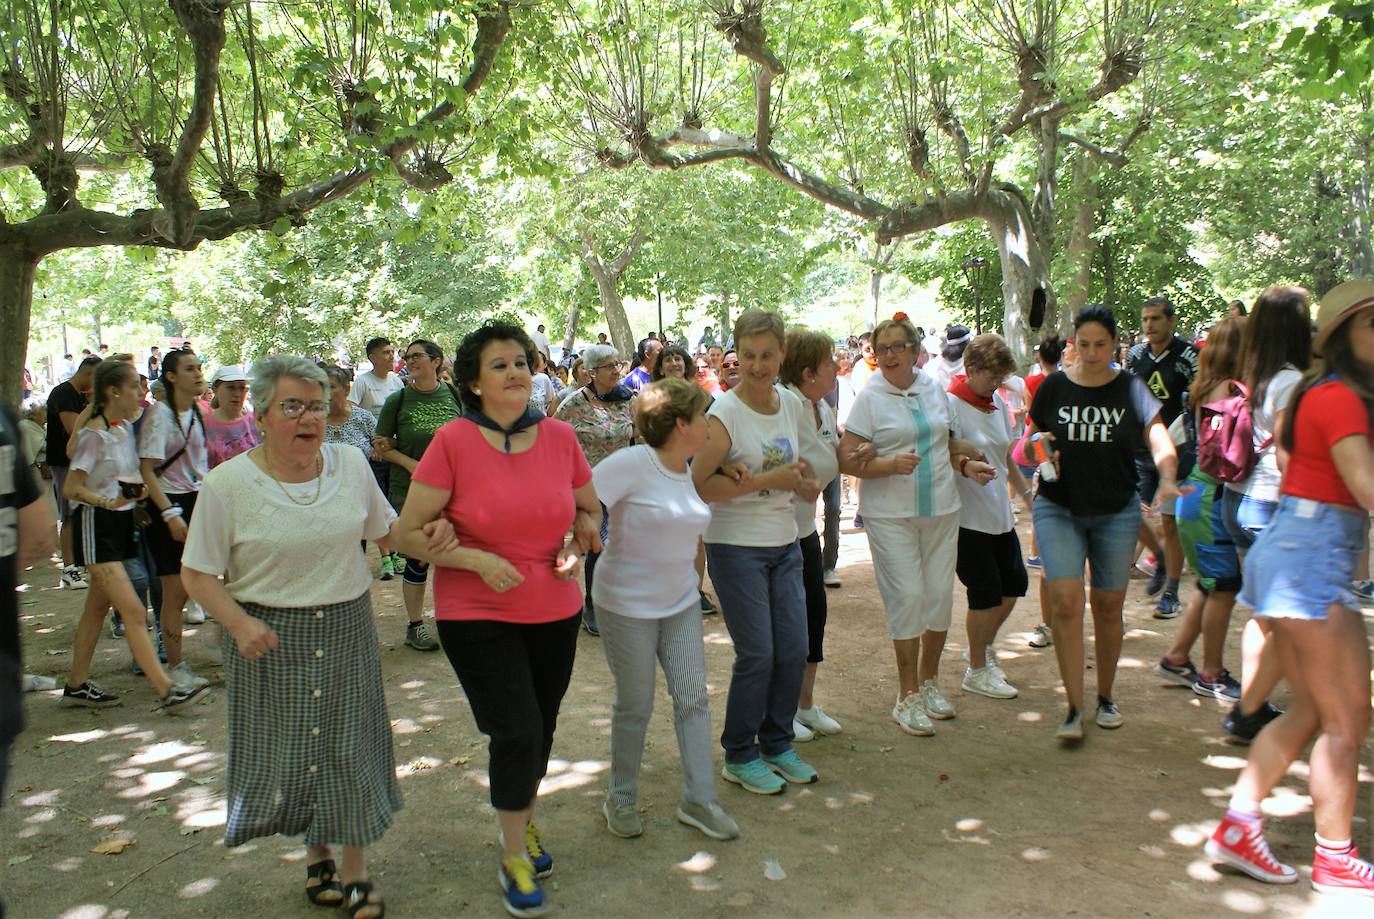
[[1345, 873], [1243, 847]]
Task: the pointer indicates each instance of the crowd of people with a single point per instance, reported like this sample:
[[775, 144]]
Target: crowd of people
[[515, 477]]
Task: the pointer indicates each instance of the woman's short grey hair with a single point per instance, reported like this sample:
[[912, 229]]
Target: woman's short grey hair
[[37, 410], [598, 354], [267, 372]]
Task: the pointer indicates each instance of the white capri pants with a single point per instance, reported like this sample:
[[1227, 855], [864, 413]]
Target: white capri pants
[[913, 562]]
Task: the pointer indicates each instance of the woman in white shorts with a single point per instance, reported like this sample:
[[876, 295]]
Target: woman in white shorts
[[911, 513]]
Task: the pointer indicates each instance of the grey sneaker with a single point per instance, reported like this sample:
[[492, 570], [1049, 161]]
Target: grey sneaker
[[711, 819], [623, 820], [1072, 728], [419, 638], [178, 696], [183, 675]]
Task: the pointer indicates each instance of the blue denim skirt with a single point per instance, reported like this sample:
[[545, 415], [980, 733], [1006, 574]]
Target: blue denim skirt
[[1304, 560]]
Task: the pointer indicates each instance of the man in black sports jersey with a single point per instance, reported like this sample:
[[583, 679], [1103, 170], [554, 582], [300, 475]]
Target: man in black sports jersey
[[1168, 365]]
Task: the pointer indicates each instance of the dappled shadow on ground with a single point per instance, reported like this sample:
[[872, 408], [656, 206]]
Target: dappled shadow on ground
[[119, 812]]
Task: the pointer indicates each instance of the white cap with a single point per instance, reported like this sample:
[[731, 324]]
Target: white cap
[[229, 373]]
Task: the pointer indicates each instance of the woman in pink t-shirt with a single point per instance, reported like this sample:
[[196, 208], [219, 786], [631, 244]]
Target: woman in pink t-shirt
[[229, 429], [512, 482]]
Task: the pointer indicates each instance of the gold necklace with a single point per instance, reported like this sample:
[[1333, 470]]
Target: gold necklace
[[319, 479]]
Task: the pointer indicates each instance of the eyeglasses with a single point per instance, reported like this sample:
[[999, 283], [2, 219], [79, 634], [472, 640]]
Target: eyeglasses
[[729, 365], [415, 356], [294, 408], [614, 365], [896, 348]]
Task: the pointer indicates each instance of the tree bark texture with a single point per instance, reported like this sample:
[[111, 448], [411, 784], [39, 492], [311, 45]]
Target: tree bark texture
[[1081, 243], [607, 277], [17, 270]]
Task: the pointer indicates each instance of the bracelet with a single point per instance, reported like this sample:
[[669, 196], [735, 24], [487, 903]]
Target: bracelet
[[1027, 492], [170, 511], [963, 461]]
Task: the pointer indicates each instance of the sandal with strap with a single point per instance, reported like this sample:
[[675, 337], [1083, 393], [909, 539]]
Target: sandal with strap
[[327, 892], [358, 897]]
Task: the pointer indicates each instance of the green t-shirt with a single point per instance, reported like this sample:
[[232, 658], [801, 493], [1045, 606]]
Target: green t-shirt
[[412, 417]]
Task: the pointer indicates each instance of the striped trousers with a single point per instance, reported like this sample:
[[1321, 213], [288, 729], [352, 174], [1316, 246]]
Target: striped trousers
[[633, 648]]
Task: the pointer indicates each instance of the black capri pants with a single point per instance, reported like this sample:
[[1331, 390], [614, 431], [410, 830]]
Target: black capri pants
[[514, 676], [990, 566], [817, 609]]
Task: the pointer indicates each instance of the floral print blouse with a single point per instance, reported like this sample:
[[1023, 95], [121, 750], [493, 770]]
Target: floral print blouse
[[601, 429], [356, 430]]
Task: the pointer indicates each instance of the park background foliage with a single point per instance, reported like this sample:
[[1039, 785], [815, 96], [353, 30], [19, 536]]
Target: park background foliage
[[263, 175]]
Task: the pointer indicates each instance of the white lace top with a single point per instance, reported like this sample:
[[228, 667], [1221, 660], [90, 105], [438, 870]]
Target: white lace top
[[275, 551]]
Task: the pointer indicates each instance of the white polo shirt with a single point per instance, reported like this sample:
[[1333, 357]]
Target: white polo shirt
[[898, 420]]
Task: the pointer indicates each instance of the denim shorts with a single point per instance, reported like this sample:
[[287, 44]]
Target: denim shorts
[[1245, 517], [1304, 560], [1106, 541]]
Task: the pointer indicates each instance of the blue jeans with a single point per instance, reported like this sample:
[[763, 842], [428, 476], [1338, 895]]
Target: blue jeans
[[764, 605], [1067, 541], [1245, 517]]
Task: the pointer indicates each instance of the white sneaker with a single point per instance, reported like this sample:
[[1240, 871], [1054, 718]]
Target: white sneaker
[[1041, 637], [936, 705], [195, 613], [35, 683], [988, 681], [911, 718], [801, 733], [818, 721], [74, 578], [831, 578], [183, 675]]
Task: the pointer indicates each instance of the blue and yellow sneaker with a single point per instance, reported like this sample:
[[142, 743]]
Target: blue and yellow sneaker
[[523, 895], [539, 856]]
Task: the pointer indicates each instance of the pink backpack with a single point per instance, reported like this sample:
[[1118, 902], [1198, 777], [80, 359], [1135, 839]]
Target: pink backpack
[[1226, 437]]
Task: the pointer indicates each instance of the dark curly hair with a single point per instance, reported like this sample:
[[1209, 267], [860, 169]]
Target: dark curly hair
[[1102, 315], [467, 363]]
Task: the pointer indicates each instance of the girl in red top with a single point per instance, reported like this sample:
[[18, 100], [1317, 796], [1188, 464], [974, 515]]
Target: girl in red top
[[506, 602], [1297, 577]]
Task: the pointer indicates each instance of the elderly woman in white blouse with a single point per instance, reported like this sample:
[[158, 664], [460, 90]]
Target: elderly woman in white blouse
[[309, 737]]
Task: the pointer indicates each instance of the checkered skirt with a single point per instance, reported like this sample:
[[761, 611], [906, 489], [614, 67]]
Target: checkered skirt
[[309, 737]]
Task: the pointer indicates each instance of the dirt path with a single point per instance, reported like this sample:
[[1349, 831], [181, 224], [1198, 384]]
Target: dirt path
[[988, 818]]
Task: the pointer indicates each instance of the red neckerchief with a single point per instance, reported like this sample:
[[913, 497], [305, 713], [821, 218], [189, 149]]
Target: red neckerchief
[[958, 385]]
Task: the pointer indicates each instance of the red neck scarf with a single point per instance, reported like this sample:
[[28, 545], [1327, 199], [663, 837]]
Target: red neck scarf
[[959, 386]]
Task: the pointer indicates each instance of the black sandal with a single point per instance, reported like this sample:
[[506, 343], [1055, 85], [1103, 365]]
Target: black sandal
[[327, 892], [358, 897]]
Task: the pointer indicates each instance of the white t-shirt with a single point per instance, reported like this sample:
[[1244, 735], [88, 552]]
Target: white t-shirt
[[942, 371], [761, 519], [983, 507], [161, 435], [1263, 483], [370, 393], [106, 457], [895, 421], [656, 518], [275, 552], [541, 343], [818, 449], [543, 392]]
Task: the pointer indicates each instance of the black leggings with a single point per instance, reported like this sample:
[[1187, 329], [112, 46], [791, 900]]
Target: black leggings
[[514, 676], [817, 608]]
